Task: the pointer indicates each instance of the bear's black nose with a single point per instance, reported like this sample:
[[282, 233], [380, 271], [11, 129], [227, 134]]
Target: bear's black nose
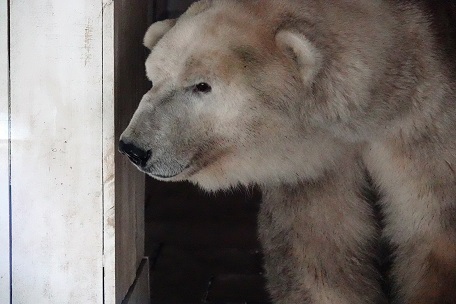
[[137, 155]]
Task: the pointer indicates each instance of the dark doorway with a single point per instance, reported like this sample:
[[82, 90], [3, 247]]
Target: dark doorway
[[203, 247]]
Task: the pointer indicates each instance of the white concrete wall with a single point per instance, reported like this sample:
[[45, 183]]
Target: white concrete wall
[[76, 209], [4, 167], [57, 151]]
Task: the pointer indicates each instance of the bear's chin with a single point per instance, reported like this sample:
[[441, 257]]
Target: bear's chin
[[214, 182]]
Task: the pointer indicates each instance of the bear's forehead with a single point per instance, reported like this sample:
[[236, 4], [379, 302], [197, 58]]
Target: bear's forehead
[[216, 41], [174, 60]]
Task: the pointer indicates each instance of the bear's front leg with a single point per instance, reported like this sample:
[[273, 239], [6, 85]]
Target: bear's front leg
[[319, 241], [417, 180]]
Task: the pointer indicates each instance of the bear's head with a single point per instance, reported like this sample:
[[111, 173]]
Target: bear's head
[[226, 102]]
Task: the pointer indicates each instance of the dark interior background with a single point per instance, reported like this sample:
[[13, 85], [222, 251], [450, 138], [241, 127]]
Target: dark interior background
[[203, 248]]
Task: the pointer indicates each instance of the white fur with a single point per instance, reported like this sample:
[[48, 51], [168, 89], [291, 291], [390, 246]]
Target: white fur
[[309, 58], [156, 32], [306, 96]]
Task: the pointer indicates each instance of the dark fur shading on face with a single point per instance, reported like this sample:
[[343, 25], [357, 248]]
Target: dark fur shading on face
[[168, 97], [247, 55], [207, 154]]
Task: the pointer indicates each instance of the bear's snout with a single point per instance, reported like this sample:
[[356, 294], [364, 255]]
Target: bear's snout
[[137, 155]]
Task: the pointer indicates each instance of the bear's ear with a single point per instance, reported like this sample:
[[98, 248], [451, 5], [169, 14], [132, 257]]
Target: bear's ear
[[303, 52], [197, 7], [156, 31]]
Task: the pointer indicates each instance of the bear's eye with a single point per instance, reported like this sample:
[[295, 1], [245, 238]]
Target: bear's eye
[[202, 88]]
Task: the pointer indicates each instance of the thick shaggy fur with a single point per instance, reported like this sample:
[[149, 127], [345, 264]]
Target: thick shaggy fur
[[306, 95]]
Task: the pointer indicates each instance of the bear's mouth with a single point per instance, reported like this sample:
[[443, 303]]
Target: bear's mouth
[[158, 176], [167, 174]]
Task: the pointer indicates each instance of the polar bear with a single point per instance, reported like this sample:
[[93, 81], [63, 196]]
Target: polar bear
[[308, 98]]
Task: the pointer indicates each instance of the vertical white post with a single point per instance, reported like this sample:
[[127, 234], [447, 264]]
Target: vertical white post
[[4, 156], [109, 150], [56, 149]]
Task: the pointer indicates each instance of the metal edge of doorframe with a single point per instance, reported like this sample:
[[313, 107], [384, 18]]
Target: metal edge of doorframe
[[5, 156]]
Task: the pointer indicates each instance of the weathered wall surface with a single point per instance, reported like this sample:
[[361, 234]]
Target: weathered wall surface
[[56, 149]]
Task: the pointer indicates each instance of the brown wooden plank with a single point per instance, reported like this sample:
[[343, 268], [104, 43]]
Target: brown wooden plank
[[139, 291], [130, 23]]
